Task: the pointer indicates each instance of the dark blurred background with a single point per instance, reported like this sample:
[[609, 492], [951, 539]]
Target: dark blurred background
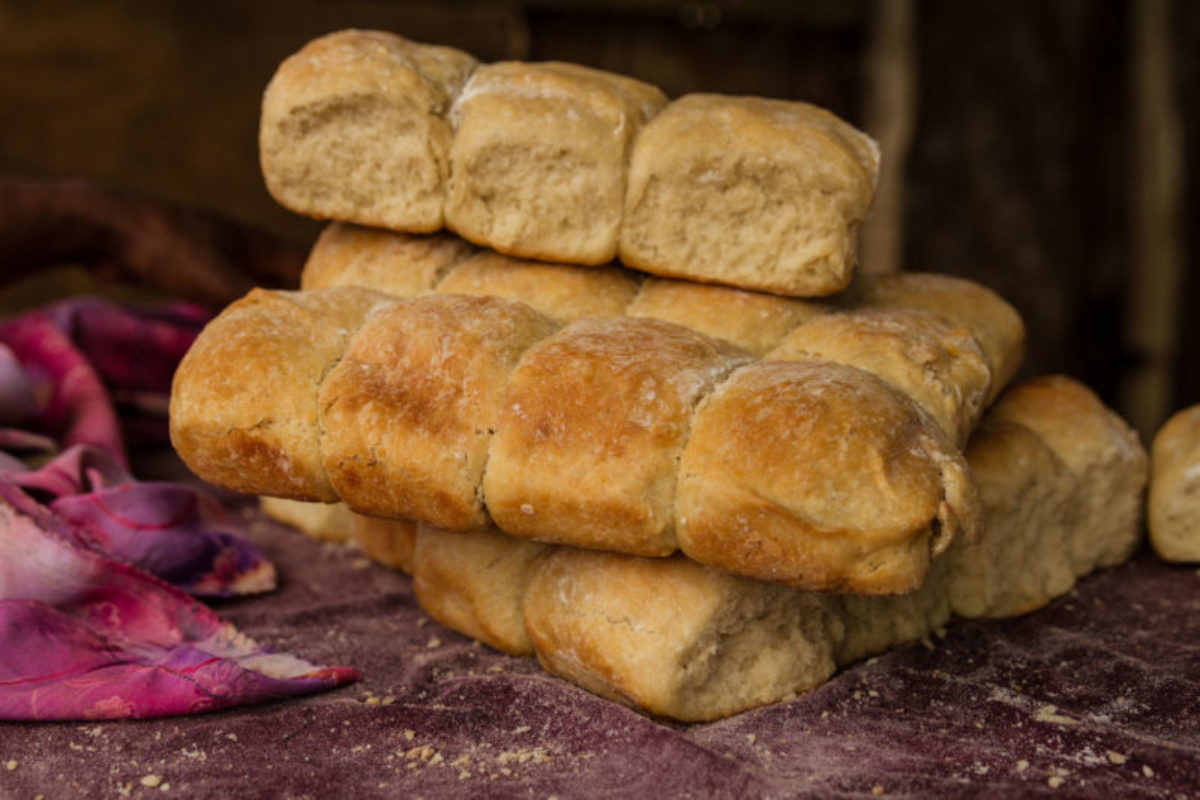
[[1038, 146]]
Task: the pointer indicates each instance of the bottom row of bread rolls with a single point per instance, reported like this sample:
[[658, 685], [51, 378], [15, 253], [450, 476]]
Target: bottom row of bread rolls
[[1061, 480]]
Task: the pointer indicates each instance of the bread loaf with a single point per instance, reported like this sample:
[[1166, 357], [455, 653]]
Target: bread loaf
[[822, 476], [565, 163], [243, 410], [754, 321], [682, 640], [473, 582], [539, 156], [354, 128], [577, 441], [1174, 507], [754, 193]]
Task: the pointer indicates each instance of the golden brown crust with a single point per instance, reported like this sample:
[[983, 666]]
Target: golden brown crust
[[410, 411], [594, 419], [538, 158], [1174, 503], [749, 192], [474, 581], [821, 476], [937, 364], [561, 291], [243, 403], [995, 324], [394, 263], [754, 321], [354, 127]]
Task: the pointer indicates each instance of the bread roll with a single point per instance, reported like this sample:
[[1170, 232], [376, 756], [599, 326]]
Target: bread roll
[[560, 291], [821, 476], [754, 321], [328, 522], [409, 413], [673, 637], [587, 447], [1174, 509], [389, 542], [354, 128], [1023, 559], [384, 541], [748, 192], [937, 364], [473, 582], [243, 411], [995, 324], [1100, 450], [538, 159], [394, 263]]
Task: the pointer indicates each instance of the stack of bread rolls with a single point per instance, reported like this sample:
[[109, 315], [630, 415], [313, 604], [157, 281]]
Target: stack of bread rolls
[[697, 479]]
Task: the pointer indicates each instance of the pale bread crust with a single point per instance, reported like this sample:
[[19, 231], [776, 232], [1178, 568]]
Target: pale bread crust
[[409, 412], [243, 412], [566, 163], [820, 476], [561, 291], [673, 637], [749, 192], [473, 582], [937, 364], [1174, 504], [996, 325], [1100, 449], [354, 127], [587, 447], [327, 522], [754, 321], [539, 155], [385, 541], [394, 263]]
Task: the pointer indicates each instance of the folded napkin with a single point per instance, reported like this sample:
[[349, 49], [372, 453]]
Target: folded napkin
[[96, 619]]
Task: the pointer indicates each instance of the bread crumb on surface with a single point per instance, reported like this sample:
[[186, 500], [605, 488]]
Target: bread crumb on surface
[[10, 765]]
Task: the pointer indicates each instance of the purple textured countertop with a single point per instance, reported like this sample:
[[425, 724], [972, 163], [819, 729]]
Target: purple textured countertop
[[1096, 696]]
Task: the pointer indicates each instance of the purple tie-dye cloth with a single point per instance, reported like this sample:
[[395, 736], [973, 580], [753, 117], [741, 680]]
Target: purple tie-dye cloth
[[94, 565]]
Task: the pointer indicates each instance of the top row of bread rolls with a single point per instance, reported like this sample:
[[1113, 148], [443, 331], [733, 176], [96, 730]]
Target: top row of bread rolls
[[561, 162]]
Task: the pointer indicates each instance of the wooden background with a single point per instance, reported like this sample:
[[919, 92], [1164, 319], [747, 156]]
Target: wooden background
[[1047, 148]]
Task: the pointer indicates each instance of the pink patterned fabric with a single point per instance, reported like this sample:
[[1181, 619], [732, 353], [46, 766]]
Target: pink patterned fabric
[[95, 567]]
